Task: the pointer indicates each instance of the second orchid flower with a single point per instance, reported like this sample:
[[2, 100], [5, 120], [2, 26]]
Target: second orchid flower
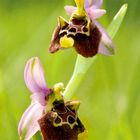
[[48, 112]]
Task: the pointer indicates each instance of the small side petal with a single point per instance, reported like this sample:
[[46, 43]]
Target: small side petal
[[34, 76], [28, 124], [95, 13], [88, 3], [105, 40], [97, 3], [69, 9], [104, 50]]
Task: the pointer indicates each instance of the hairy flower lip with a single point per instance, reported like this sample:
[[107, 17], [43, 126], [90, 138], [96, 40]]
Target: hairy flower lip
[[62, 122]]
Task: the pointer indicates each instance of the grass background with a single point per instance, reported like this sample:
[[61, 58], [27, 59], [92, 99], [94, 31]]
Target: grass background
[[110, 92]]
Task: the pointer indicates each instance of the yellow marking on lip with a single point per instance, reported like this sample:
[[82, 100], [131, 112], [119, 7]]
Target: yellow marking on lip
[[66, 42]]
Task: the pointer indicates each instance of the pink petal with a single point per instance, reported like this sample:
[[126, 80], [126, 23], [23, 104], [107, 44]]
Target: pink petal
[[88, 3], [93, 3], [38, 74], [35, 81], [106, 47], [39, 98], [95, 13], [34, 75], [28, 77], [97, 3], [103, 50], [69, 9], [28, 124]]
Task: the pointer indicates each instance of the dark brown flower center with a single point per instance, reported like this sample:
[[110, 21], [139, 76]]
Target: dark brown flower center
[[61, 123]]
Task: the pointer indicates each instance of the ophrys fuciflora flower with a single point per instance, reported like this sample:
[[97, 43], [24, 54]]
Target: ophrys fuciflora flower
[[82, 31], [48, 112]]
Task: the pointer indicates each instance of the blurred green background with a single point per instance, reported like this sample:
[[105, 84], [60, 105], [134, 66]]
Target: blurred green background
[[110, 91]]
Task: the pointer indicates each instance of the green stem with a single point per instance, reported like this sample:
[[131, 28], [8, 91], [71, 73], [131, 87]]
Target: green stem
[[83, 64], [81, 67]]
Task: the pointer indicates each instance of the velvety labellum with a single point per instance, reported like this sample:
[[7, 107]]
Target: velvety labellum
[[61, 123], [85, 34]]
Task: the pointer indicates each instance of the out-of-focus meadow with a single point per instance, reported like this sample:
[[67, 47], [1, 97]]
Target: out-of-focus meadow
[[110, 91]]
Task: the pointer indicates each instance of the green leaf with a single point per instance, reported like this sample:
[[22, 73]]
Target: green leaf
[[117, 20]]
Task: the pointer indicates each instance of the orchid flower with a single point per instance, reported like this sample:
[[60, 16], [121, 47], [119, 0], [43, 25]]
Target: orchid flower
[[83, 31], [35, 81], [48, 112]]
